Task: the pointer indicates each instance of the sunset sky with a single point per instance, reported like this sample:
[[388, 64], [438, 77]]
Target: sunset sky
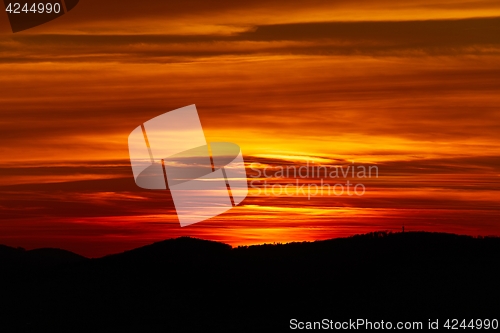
[[412, 87]]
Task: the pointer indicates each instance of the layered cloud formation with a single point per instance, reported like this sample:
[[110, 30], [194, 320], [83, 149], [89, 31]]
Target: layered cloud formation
[[412, 88]]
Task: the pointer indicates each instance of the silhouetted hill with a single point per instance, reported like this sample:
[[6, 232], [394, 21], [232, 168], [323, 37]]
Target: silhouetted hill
[[18, 258], [188, 284], [172, 251], [7, 252]]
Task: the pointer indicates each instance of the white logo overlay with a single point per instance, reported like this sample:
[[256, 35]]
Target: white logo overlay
[[170, 152]]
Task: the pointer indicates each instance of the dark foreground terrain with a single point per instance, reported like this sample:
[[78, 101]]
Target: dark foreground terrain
[[194, 285]]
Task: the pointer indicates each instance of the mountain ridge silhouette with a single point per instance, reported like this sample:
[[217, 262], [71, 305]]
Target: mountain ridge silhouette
[[193, 242], [188, 284]]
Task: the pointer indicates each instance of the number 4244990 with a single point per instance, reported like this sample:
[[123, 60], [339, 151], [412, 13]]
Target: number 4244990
[[455, 324], [36, 8]]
